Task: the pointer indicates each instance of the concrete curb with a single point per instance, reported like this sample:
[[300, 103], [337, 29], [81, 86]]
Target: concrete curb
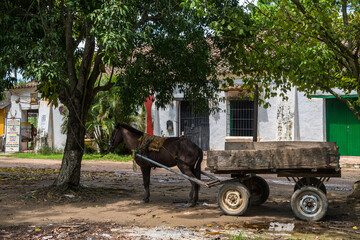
[[350, 161]]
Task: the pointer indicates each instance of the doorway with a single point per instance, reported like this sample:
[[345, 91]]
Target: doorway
[[194, 126], [342, 127], [29, 129]]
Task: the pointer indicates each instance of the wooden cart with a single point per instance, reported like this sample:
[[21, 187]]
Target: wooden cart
[[308, 164]]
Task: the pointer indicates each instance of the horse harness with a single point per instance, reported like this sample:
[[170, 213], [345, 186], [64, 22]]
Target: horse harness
[[148, 143]]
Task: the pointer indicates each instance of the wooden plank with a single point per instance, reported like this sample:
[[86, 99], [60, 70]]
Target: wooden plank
[[278, 144], [275, 158], [300, 172]]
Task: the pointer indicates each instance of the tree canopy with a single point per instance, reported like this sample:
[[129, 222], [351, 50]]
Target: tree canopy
[[150, 47], [311, 44]]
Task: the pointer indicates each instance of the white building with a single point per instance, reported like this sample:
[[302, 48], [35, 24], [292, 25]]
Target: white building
[[321, 118], [27, 105]]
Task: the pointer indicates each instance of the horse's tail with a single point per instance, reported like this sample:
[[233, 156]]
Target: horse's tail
[[198, 165]]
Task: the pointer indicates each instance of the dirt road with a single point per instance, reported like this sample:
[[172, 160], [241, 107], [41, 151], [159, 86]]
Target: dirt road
[[110, 206]]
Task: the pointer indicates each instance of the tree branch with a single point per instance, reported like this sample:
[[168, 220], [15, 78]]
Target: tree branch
[[64, 95], [84, 85], [80, 38], [87, 58], [344, 12], [327, 38], [106, 87], [44, 25], [348, 103], [342, 62], [145, 18], [96, 67], [357, 46], [62, 11], [69, 49]]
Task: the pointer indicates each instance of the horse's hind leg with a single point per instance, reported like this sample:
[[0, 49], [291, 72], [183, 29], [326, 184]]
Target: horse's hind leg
[[146, 180], [194, 192]]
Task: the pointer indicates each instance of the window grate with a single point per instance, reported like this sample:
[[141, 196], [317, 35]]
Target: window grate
[[241, 118]]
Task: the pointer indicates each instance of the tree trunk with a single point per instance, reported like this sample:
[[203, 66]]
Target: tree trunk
[[69, 175]]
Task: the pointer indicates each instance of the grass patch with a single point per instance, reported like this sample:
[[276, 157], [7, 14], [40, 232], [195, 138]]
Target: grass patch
[[86, 157], [241, 237], [110, 156], [35, 156]]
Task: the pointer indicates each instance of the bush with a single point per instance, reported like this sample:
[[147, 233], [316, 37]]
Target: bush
[[46, 150], [89, 150]]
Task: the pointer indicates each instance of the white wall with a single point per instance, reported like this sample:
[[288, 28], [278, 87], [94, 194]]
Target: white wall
[[43, 119], [15, 110], [297, 119], [217, 125], [311, 118], [160, 118], [48, 127], [267, 122], [59, 138], [20, 101], [285, 116]]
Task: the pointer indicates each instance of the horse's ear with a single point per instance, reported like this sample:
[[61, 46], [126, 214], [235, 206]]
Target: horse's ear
[[117, 126]]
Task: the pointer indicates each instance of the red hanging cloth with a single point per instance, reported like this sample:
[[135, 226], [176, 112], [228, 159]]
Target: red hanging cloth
[[149, 124]]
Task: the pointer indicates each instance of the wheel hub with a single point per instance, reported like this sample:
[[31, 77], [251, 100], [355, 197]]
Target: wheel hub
[[309, 204], [233, 199]]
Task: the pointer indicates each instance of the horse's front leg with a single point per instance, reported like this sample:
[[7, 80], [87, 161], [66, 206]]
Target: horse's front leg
[[146, 180]]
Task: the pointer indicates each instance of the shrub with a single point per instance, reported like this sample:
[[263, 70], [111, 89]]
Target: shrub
[[46, 150], [90, 150]]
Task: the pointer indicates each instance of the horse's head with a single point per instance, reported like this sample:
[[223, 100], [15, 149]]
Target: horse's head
[[115, 139]]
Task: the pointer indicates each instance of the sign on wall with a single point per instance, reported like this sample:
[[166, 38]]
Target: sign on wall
[[34, 99], [12, 143]]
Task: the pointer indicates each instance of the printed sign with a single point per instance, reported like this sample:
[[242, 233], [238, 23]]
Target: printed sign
[[12, 143]]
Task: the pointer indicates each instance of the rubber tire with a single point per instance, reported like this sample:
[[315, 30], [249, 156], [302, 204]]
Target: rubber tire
[[314, 182], [306, 194], [237, 190], [259, 190]]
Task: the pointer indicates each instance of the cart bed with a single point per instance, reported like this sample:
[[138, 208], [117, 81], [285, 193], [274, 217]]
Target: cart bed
[[284, 158]]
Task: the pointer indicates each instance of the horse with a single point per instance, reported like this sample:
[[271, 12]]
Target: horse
[[174, 151]]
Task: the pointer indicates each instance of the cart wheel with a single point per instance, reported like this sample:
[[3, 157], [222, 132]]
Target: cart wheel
[[309, 203], [234, 198], [259, 190], [314, 182]]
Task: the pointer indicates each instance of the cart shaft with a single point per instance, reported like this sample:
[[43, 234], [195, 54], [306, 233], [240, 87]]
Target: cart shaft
[[198, 181]]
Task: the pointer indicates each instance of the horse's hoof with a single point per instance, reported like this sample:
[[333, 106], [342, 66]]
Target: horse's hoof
[[191, 204], [145, 201]]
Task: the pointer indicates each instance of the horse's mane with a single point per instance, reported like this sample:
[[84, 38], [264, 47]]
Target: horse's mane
[[131, 129]]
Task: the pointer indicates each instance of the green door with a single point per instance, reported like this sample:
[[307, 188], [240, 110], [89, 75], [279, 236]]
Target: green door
[[342, 127]]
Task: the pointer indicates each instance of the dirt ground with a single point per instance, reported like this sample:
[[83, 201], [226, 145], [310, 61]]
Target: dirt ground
[[109, 207]]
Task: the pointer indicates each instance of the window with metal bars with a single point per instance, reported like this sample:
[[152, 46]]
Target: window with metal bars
[[241, 118]]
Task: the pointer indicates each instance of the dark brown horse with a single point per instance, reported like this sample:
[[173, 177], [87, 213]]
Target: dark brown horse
[[175, 151]]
